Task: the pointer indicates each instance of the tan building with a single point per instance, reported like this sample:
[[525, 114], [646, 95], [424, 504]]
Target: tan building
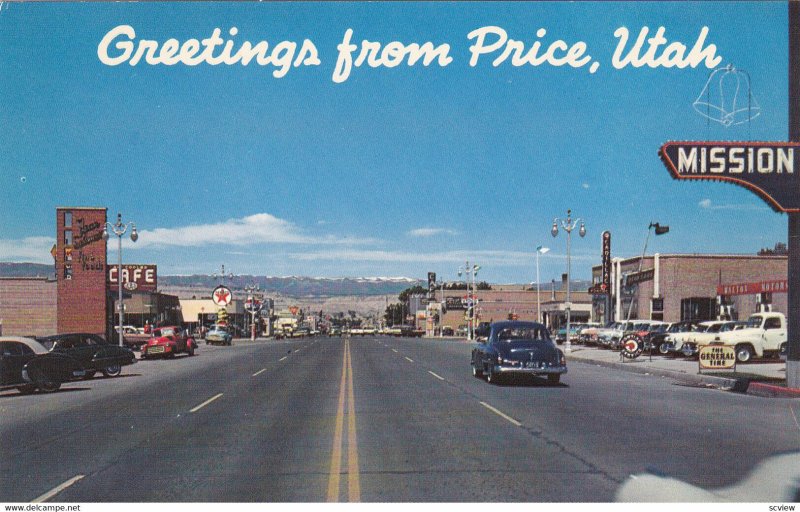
[[504, 302], [28, 306], [673, 287]]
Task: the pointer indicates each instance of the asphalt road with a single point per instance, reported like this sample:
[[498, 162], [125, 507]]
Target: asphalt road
[[372, 419]]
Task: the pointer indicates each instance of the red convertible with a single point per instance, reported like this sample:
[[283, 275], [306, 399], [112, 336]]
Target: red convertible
[[168, 341]]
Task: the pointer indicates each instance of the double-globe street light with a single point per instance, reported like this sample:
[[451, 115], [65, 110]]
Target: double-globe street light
[[119, 229], [468, 271], [568, 225]]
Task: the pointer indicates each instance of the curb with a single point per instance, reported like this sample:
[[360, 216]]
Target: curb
[[771, 391], [720, 382]]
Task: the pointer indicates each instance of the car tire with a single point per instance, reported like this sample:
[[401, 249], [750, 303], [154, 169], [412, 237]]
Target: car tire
[[112, 371], [476, 372], [744, 353], [27, 389], [44, 384], [553, 378], [89, 375], [492, 378], [662, 349], [190, 350]]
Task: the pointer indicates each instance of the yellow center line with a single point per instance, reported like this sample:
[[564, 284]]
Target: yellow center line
[[354, 482], [336, 454], [346, 394]]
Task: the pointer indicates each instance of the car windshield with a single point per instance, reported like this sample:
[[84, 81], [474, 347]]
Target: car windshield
[[522, 334], [163, 332], [754, 321]]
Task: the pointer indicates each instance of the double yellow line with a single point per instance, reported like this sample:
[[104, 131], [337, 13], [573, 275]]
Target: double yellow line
[[345, 390]]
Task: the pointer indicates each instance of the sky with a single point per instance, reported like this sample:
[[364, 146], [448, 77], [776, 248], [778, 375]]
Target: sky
[[395, 171]]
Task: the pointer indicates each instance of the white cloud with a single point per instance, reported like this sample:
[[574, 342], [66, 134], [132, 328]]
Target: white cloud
[[586, 186], [424, 232], [34, 249], [251, 230], [706, 204]]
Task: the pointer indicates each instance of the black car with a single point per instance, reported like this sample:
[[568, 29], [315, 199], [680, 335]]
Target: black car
[[658, 339], [523, 348], [93, 352], [26, 364]]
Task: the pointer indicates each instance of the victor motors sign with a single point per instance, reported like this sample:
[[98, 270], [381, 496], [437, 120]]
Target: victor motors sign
[[770, 169], [143, 278]]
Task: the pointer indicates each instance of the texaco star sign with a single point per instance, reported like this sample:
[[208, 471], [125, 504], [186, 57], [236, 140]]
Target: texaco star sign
[[222, 296]]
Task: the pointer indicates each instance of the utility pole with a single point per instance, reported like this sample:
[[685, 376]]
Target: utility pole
[[793, 331]]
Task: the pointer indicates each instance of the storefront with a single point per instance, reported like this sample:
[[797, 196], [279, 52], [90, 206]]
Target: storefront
[[676, 287]]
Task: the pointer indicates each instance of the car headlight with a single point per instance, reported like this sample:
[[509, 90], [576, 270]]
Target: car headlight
[[499, 359]]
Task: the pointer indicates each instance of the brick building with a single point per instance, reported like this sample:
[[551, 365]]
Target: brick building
[[673, 287], [82, 300], [517, 301]]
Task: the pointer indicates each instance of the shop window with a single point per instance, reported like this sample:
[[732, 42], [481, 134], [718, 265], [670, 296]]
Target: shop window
[[698, 309]]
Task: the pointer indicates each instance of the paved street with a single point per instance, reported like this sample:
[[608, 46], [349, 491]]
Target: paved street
[[372, 419]]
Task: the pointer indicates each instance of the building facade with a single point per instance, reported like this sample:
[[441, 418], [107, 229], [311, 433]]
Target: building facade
[[675, 287], [28, 306]]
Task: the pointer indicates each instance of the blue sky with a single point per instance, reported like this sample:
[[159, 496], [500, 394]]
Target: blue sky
[[395, 172]]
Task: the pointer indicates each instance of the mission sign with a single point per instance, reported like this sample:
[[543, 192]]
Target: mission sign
[[770, 169]]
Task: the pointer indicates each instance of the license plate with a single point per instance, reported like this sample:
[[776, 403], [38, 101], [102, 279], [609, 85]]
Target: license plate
[[154, 350]]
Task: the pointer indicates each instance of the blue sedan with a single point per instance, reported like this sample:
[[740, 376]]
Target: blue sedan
[[518, 348]]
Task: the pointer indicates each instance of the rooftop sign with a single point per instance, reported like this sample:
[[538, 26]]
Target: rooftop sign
[[770, 169]]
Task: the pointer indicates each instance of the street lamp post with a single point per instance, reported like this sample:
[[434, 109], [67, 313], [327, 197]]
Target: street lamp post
[[252, 294], [539, 250], [568, 225], [119, 229], [660, 230], [468, 271]]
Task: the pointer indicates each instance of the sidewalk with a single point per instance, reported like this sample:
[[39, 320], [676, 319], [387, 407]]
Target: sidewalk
[[757, 378]]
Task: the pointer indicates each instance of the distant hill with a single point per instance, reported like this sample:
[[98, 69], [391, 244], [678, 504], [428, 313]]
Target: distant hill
[[27, 270], [298, 286], [292, 286]]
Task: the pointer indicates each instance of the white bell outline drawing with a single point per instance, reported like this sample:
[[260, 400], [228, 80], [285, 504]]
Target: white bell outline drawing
[[727, 98]]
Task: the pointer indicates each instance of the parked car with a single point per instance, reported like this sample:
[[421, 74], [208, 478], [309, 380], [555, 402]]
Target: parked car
[[27, 365], [674, 342], [692, 346], [168, 341], [761, 337], [659, 337], [219, 335], [447, 331], [516, 347], [93, 352]]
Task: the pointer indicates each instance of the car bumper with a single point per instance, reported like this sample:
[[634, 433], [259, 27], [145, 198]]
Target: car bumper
[[550, 370]]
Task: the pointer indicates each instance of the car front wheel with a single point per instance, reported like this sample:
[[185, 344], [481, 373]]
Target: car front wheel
[[112, 371], [492, 378], [744, 353], [44, 383]]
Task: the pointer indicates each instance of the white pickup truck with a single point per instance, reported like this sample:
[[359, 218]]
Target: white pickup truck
[[761, 338]]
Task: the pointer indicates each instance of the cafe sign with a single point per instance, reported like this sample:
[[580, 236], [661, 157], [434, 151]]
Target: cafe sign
[[143, 278], [769, 169]]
